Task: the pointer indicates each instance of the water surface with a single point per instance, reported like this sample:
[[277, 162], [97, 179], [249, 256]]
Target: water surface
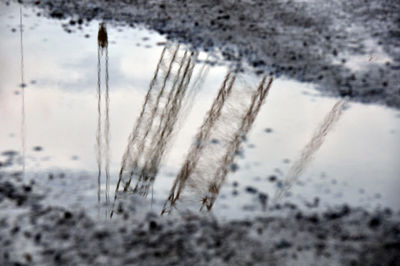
[[81, 116]]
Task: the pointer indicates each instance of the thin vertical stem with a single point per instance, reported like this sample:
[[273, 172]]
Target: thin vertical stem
[[23, 125]]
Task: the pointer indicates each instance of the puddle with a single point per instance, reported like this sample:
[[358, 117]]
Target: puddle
[[149, 116]]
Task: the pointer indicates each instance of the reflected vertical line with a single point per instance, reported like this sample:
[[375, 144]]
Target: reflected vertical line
[[107, 131], [98, 130], [23, 130]]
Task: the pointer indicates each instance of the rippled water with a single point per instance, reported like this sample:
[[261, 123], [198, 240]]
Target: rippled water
[[85, 113]]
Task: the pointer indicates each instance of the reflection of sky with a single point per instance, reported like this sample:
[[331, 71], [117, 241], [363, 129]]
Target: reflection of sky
[[61, 113]]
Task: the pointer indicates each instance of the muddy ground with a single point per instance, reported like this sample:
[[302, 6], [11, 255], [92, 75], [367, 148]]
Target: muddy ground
[[34, 233], [347, 48]]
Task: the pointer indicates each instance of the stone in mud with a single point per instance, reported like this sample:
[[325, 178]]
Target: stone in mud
[[37, 148], [234, 167], [268, 130], [153, 225], [375, 222], [57, 14], [215, 141], [67, 215], [314, 219], [251, 190], [283, 244], [9, 153], [263, 200]]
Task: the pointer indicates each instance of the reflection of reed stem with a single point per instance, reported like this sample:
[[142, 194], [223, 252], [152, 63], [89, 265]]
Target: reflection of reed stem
[[311, 148], [103, 150], [98, 130], [107, 131], [23, 129]]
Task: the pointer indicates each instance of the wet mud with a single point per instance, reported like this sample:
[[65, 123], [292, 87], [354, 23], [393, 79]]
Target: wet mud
[[346, 48], [33, 233]]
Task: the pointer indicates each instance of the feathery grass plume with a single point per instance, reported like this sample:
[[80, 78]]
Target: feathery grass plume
[[137, 138], [155, 127], [162, 135], [194, 88], [311, 148], [224, 128], [247, 121], [201, 137]]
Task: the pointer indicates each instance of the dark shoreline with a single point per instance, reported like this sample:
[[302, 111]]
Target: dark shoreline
[[306, 41]]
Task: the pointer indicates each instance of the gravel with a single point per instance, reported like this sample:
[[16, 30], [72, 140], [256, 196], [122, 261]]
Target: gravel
[[311, 41], [33, 232]]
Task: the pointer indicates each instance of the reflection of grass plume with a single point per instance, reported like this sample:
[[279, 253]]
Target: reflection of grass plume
[[143, 124], [313, 145], [201, 136], [246, 123], [162, 136], [154, 128], [194, 88], [229, 119]]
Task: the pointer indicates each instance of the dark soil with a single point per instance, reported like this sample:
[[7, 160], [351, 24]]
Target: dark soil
[[309, 41], [34, 234]]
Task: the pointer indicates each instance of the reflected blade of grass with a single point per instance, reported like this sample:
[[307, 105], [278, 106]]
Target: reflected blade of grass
[[247, 121], [154, 129], [311, 148], [228, 121], [202, 136]]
